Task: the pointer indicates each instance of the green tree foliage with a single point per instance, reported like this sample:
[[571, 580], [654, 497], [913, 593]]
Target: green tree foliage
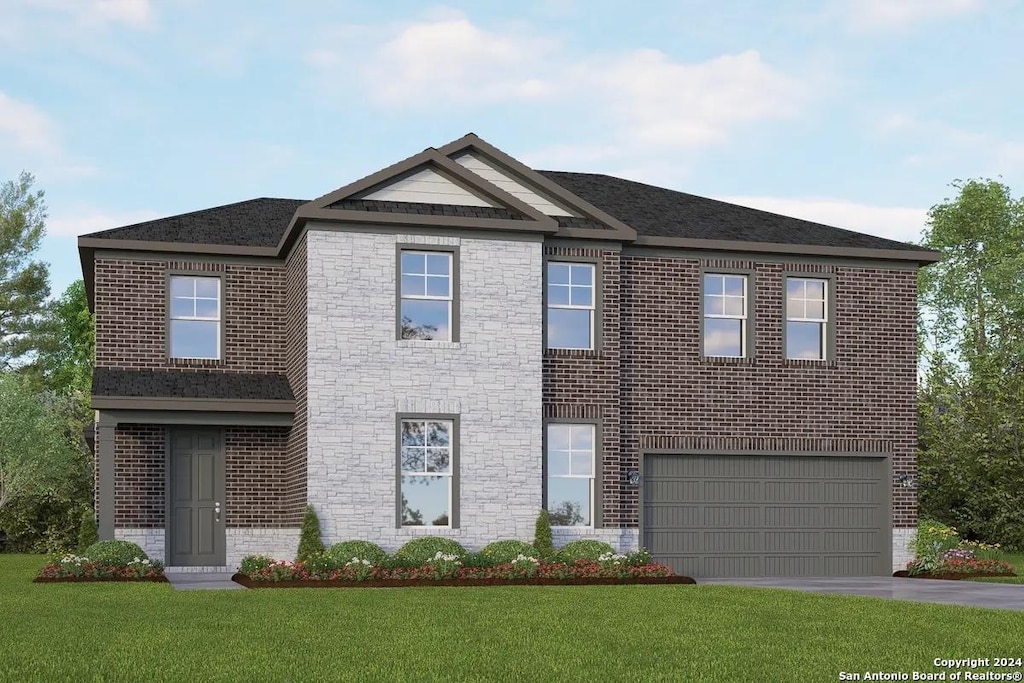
[[88, 534], [971, 409], [310, 544], [64, 358], [24, 282], [542, 535]]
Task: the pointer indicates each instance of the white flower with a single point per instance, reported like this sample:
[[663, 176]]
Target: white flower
[[525, 558]]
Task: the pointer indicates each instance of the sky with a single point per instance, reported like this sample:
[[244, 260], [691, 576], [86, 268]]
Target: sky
[[856, 113]]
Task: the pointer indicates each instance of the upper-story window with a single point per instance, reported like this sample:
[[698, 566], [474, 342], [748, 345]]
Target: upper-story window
[[725, 315], [195, 317], [571, 305], [806, 318], [427, 295]]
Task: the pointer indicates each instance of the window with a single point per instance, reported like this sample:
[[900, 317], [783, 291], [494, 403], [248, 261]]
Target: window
[[426, 463], [570, 474], [426, 295], [571, 305], [806, 318], [725, 315], [194, 317]]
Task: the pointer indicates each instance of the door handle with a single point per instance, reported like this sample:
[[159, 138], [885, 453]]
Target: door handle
[[216, 511]]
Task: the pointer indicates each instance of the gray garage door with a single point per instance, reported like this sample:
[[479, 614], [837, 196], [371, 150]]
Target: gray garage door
[[739, 515]]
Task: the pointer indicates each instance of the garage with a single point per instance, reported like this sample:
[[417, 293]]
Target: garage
[[767, 515]]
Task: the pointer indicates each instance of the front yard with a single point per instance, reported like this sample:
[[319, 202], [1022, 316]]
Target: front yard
[[649, 633]]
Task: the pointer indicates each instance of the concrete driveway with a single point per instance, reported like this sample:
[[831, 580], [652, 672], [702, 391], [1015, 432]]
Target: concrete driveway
[[968, 593]]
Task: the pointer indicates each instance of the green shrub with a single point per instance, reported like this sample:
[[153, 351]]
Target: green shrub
[[114, 553], [251, 564], [364, 550], [419, 551], [477, 560], [542, 536], [639, 558], [324, 562], [585, 549], [87, 533], [309, 538], [932, 540], [501, 552]]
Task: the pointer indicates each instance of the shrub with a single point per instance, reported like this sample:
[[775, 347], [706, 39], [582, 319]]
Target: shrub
[[932, 540], [114, 553], [477, 560], [542, 536], [252, 564], [585, 549], [419, 551], [309, 538], [87, 533], [501, 552], [363, 550]]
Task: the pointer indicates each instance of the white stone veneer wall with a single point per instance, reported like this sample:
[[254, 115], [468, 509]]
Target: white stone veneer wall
[[623, 540], [150, 540], [359, 377], [281, 544], [901, 553]]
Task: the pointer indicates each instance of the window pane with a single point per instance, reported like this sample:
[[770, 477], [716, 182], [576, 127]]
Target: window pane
[[815, 289], [734, 285], [558, 295], [412, 433], [413, 263], [207, 308], [558, 274], [795, 308], [183, 307], [438, 286], [413, 285], [208, 287], [412, 459], [713, 284], [568, 329], [794, 288], [437, 433], [558, 463], [182, 286], [582, 437], [438, 460], [194, 339], [438, 264], [425, 319], [582, 464], [582, 275], [425, 501], [815, 309], [569, 501], [714, 305], [734, 305], [582, 296], [723, 337], [804, 340], [558, 437]]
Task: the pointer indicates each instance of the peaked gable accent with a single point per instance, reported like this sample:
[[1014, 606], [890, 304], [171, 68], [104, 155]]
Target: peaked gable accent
[[426, 186], [492, 174]]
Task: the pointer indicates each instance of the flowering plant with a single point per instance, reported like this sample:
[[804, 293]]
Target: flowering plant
[[77, 566]]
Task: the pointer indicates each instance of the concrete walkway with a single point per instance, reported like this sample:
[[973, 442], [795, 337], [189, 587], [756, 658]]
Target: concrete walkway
[[197, 581], [968, 593]]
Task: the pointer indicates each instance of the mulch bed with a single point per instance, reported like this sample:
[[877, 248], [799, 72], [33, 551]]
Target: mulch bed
[[902, 574], [98, 579], [406, 583]]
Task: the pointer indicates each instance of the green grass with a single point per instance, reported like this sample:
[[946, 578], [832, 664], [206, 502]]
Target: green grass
[[132, 632], [1016, 559]]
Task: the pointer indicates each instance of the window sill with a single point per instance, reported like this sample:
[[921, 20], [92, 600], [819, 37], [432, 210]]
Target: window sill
[[728, 360], [807, 363], [571, 353], [196, 362], [426, 344], [427, 530]]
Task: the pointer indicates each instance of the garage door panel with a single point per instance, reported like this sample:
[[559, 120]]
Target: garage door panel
[[735, 515]]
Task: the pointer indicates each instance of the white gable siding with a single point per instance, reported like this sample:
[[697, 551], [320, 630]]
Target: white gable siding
[[427, 187], [510, 185]]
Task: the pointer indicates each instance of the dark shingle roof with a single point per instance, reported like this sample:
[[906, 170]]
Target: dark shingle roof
[[190, 384], [427, 209], [659, 212], [253, 223]]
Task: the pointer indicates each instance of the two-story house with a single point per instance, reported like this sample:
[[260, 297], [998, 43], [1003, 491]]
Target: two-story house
[[452, 343]]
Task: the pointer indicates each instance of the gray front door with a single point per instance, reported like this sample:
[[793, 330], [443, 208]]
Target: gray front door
[[767, 515], [195, 529]]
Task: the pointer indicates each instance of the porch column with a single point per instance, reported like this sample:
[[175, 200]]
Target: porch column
[[105, 487]]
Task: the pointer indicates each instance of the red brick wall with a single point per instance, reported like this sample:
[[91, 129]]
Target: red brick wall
[[131, 311], [863, 400], [139, 500]]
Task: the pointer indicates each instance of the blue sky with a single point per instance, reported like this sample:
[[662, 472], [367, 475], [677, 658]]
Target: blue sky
[[857, 113]]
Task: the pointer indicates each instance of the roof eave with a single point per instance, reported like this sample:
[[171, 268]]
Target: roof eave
[[920, 256]]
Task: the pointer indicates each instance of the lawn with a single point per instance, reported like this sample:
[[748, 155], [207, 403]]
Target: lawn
[[1017, 560], [133, 632]]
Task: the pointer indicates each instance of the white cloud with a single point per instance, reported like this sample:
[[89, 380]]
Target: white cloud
[[137, 14], [979, 153], [81, 221], [25, 127], [903, 224], [894, 14]]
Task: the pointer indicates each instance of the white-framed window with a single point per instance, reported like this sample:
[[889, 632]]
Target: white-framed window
[[570, 474], [571, 305], [426, 295], [426, 464], [806, 318], [725, 315], [194, 318]]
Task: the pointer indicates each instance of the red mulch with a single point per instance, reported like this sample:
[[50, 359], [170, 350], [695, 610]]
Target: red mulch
[[403, 583], [98, 579], [902, 574]]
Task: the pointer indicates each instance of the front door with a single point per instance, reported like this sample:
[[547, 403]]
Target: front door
[[195, 533]]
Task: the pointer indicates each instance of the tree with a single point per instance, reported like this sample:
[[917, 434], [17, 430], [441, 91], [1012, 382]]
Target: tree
[[972, 397], [64, 358], [24, 282]]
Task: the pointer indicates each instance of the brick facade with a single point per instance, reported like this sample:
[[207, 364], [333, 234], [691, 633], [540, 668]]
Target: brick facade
[[650, 379], [296, 333]]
